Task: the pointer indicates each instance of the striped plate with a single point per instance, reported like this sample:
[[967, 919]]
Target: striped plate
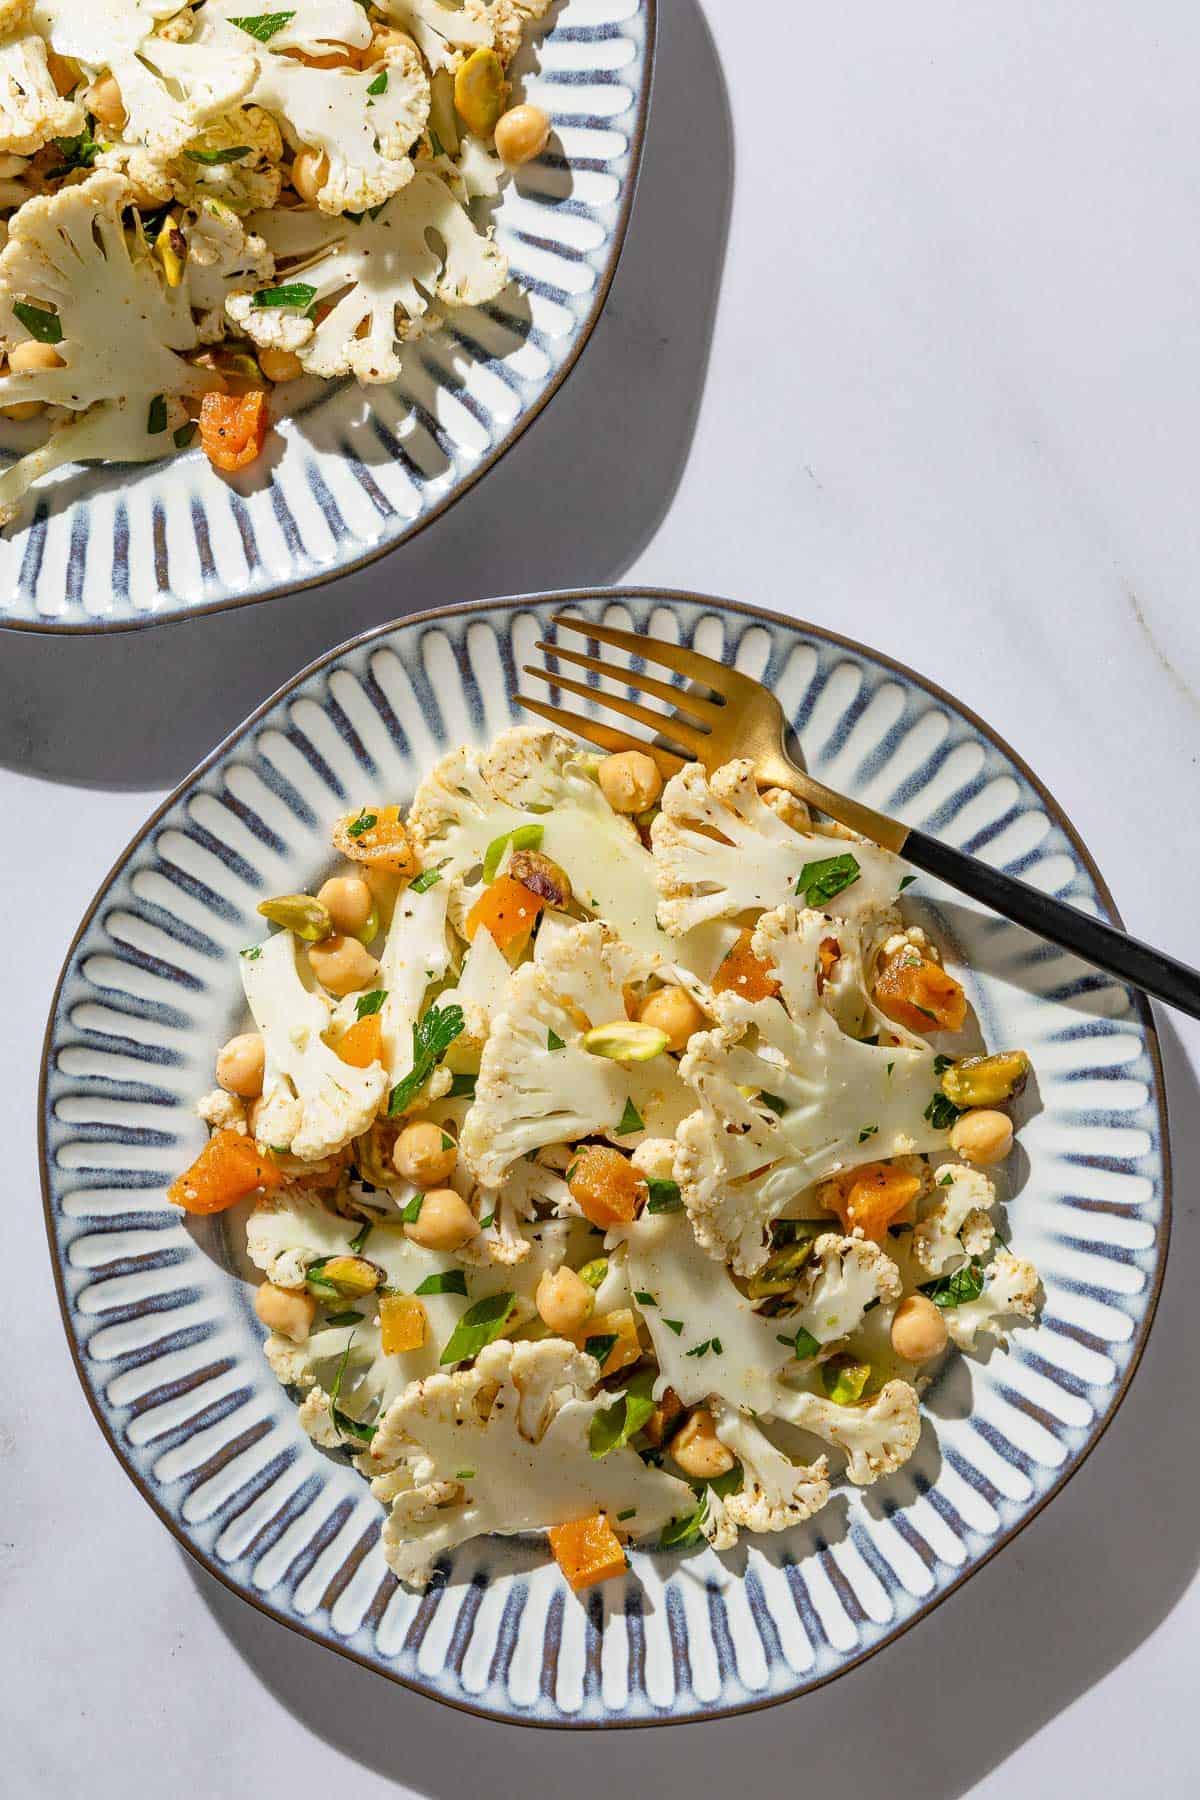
[[357, 472], [169, 1351]]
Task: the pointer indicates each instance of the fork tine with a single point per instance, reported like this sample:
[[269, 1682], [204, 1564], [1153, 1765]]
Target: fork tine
[[603, 736], [676, 657], [679, 733], [660, 690]]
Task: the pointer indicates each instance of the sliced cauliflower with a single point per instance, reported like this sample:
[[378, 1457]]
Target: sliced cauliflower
[[776, 1493], [377, 272], [834, 1101], [537, 1084], [959, 1223], [844, 1277], [877, 1436], [69, 252], [99, 33], [1010, 1291], [312, 1103], [114, 431], [443, 33], [221, 257], [31, 109], [414, 955], [482, 985], [503, 1447], [532, 776], [314, 26], [756, 860], [171, 90]]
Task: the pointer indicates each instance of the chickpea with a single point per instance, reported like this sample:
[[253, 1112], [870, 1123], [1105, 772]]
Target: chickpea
[[445, 1221], [919, 1329], [289, 1311], [521, 134], [24, 359], [280, 365], [347, 898], [630, 781], [564, 1300], [673, 1010], [388, 37], [342, 965], [23, 411], [310, 172], [698, 1450], [982, 1136], [240, 1065], [425, 1154], [104, 99]]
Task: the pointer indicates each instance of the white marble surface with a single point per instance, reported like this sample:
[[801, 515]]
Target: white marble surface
[[920, 362]]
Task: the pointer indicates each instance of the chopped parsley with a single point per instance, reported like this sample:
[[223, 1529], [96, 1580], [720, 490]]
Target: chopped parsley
[[344, 1425], [713, 1344], [776, 1105], [868, 1131], [379, 85], [427, 879], [432, 1037], [462, 1087], [553, 1041], [942, 1063], [942, 1113], [631, 1120], [264, 26], [447, 1281], [412, 1212], [959, 1289], [300, 295], [360, 1237], [614, 1425], [478, 1327], [906, 881], [803, 1345], [820, 882], [367, 1004], [601, 1346], [664, 1195], [675, 1325], [46, 327], [366, 821], [643, 1298], [185, 434]]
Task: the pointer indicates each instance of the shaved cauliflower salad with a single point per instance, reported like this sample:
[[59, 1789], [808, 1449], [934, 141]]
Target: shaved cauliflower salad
[[597, 1148], [199, 202]]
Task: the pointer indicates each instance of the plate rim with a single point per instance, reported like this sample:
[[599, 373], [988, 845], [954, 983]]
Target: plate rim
[[511, 603], [99, 627]]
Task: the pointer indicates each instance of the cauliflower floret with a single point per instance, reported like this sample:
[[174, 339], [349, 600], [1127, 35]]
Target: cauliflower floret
[[114, 431], [503, 1447], [508, 19], [877, 1437], [835, 1101], [371, 270], [776, 1493], [251, 178], [315, 26], [31, 109], [443, 33], [959, 1224], [221, 1111], [313, 1103], [537, 1084], [414, 955], [171, 90], [1010, 1291], [702, 878], [221, 256], [845, 1276], [69, 251]]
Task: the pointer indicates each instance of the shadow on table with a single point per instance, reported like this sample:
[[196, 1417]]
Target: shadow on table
[[572, 504], [1060, 1608]]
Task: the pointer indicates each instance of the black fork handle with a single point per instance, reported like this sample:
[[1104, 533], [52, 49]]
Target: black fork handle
[[1109, 949]]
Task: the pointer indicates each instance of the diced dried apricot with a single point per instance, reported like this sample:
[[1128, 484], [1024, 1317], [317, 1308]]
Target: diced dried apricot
[[587, 1551], [620, 1325], [508, 908], [230, 1168], [829, 954], [362, 1044], [233, 428], [606, 1187], [919, 993], [402, 1323], [870, 1198], [375, 836], [745, 974]]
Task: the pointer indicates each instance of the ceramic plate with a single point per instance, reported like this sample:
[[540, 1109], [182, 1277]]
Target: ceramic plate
[[355, 472], [170, 1353]]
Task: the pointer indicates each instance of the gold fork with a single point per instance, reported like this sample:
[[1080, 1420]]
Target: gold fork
[[736, 716]]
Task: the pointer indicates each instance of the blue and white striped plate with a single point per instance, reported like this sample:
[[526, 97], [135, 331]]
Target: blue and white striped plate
[[355, 472], [168, 1348]]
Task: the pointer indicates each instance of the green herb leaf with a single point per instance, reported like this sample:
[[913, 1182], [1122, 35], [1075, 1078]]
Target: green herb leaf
[[643, 1298], [427, 879], [627, 1514], [432, 1037], [412, 1212], [946, 1180], [489, 1221], [594, 1272], [682, 1532], [379, 85], [344, 1318], [601, 1346], [253, 953], [942, 1063], [343, 1424], [959, 1289], [211, 158], [462, 1087], [554, 1042], [630, 1120], [78, 152], [906, 881], [524, 837], [613, 1427], [156, 418], [264, 26], [365, 821], [731, 1482], [675, 1325], [464, 1474], [803, 1346], [298, 294], [774, 1102], [665, 1196], [448, 1281], [185, 434], [713, 1344], [868, 1131], [479, 1326], [820, 882], [942, 1113], [368, 1004], [46, 327], [360, 1238]]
